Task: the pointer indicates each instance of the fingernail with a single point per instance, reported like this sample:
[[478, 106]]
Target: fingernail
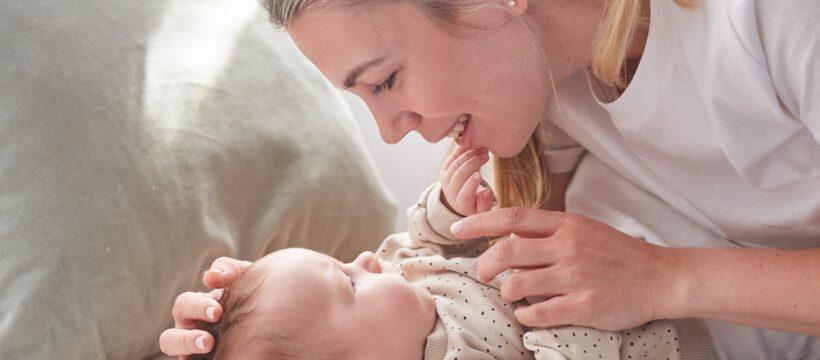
[[210, 312], [217, 271], [200, 343], [456, 228]]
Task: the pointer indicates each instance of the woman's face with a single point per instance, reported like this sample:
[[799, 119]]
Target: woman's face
[[416, 76]]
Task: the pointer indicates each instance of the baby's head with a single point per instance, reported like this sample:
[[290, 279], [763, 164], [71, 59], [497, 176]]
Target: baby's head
[[297, 303]]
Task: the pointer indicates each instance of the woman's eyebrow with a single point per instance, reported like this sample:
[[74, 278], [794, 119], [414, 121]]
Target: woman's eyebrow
[[353, 75]]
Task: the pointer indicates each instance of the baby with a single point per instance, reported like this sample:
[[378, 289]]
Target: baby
[[416, 298]]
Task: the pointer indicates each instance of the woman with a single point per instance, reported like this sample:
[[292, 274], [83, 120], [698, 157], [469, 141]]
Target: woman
[[690, 125]]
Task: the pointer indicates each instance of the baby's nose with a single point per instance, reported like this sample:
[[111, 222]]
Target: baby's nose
[[369, 262]]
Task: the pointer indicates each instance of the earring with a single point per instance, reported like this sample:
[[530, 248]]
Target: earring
[[511, 3]]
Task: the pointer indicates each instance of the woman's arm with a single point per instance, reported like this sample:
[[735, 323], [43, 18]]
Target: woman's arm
[[594, 275], [775, 289]]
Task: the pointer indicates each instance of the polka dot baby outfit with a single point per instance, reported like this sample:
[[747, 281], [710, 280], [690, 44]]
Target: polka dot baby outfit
[[474, 322]]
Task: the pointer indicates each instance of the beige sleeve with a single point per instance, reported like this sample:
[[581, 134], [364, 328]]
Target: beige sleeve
[[658, 339], [654, 340], [429, 233], [573, 342]]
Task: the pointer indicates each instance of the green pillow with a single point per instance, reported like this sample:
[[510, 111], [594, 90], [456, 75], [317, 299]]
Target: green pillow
[[140, 140]]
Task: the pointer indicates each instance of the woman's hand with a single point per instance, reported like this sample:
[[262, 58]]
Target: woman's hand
[[463, 189], [589, 273], [191, 308]]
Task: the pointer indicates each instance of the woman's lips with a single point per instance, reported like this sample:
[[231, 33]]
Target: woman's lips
[[465, 138]]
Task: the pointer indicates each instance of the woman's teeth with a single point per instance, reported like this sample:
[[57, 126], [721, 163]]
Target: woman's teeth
[[459, 128]]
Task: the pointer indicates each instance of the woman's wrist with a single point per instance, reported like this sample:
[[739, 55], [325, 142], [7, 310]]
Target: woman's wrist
[[674, 289]]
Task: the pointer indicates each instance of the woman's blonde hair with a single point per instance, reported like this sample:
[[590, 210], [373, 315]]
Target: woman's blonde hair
[[523, 180]]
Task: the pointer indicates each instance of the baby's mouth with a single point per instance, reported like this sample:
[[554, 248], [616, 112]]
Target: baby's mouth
[[393, 268], [400, 271]]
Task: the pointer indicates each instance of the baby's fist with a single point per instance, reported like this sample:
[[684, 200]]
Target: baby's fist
[[463, 189]]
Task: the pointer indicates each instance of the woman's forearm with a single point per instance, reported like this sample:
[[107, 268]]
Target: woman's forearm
[[775, 289]]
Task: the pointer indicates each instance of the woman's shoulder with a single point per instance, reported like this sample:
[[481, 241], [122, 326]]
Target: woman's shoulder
[[774, 41]]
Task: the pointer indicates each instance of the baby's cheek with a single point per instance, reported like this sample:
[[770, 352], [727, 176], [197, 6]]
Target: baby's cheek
[[399, 291]]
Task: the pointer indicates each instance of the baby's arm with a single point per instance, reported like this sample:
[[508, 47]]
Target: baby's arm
[[573, 342], [461, 192], [429, 233], [653, 340]]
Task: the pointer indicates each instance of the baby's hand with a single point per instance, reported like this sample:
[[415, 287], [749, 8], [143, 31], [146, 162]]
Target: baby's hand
[[463, 189]]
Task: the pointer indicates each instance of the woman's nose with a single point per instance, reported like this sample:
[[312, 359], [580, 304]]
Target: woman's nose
[[368, 261], [392, 130]]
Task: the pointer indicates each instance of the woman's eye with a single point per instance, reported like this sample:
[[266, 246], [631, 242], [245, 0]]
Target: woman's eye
[[352, 283], [386, 85]]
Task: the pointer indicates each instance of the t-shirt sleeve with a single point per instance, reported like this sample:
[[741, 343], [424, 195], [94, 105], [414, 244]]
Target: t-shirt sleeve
[[790, 36], [563, 153]]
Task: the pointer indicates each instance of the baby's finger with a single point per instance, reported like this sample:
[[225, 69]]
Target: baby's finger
[[484, 199], [224, 271], [467, 169], [181, 342], [466, 198], [447, 176], [191, 307], [216, 294], [453, 156]]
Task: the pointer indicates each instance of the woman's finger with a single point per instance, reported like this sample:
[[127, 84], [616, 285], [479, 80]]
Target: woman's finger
[[543, 282], [500, 222], [190, 308], [484, 199], [466, 198], [467, 168], [224, 271], [514, 252], [558, 311], [182, 342]]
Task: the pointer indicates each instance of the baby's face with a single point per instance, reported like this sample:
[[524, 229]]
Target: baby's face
[[369, 305]]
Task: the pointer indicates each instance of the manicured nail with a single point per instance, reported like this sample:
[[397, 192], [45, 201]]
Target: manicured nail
[[456, 228], [200, 342], [210, 312]]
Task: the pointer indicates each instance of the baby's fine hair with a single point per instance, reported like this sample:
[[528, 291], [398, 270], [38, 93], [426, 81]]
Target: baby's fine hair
[[233, 340]]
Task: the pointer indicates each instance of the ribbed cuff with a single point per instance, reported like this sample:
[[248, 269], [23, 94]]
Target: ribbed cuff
[[439, 216], [436, 347]]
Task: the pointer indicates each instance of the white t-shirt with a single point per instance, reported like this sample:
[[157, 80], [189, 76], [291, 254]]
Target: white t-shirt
[[715, 143]]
